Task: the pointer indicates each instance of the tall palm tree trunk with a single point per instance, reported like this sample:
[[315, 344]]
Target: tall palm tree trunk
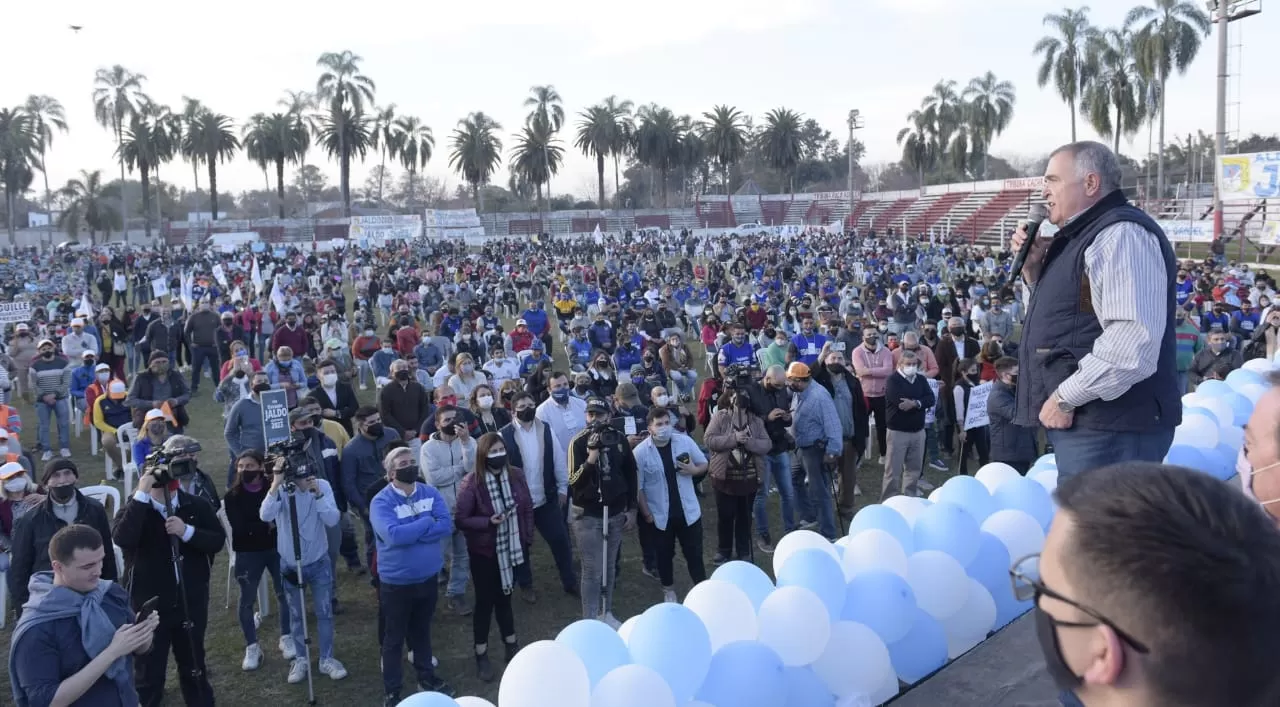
[[280, 186], [411, 181], [600, 178], [382, 173], [124, 197], [344, 180], [617, 188], [213, 188], [9, 204], [1119, 121], [663, 172], [1071, 105], [1160, 145], [48, 206], [159, 194], [146, 200]]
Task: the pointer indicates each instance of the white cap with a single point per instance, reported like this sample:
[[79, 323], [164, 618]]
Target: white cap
[[116, 387], [153, 415], [42, 342], [22, 326], [88, 354], [77, 322], [101, 367], [10, 470], [4, 435]]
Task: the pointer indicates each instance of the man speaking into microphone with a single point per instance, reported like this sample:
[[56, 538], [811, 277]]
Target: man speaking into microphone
[[1096, 358]]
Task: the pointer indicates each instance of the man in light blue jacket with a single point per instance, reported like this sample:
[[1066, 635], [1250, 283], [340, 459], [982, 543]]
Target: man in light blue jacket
[[666, 464]]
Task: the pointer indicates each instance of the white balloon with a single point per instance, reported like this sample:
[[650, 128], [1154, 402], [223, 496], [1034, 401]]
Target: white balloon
[[472, 702], [872, 550], [1220, 406], [994, 474], [939, 582], [855, 661], [725, 610], [1191, 400], [972, 623], [632, 685], [1259, 365], [1197, 431], [1020, 533], [1048, 478], [795, 624], [909, 507], [1253, 391], [1047, 460], [624, 631], [885, 692], [1232, 437], [545, 673], [796, 541], [933, 497]]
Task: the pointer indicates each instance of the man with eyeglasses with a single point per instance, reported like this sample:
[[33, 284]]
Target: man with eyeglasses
[[1156, 586]]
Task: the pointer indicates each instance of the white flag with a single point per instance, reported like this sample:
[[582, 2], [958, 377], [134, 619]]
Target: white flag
[[188, 298], [86, 307], [160, 287], [256, 277], [277, 297], [236, 295], [219, 275]]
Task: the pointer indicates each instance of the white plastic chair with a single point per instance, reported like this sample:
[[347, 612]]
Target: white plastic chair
[[4, 597], [77, 415], [126, 435], [264, 595], [102, 493]]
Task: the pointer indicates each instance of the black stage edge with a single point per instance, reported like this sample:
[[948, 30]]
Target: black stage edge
[[1006, 670]]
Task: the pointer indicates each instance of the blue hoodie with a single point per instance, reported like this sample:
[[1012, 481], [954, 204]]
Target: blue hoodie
[[408, 531]]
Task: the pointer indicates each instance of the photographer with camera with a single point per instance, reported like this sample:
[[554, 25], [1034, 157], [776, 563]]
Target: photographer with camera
[[322, 455], [169, 538], [771, 400], [303, 507], [603, 488]]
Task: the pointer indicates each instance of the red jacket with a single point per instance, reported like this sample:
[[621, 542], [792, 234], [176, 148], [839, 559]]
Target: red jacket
[[475, 509], [406, 340], [521, 340]]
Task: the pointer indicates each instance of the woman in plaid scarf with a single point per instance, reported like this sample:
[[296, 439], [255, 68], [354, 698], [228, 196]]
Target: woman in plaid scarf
[[495, 511]]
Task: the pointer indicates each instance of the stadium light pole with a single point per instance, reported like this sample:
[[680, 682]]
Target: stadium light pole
[[855, 123], [1220, 139]]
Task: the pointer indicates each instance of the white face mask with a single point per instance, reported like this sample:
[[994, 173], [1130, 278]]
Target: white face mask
[[663, 400], [485, 402], [329, 379], [909, 371], [16, 484], [104, 377]]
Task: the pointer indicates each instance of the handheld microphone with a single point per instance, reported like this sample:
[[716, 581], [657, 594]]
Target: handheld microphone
[[1035, 216]]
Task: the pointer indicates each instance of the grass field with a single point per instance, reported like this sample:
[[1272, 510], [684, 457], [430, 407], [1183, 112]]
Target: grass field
[[356, 637]]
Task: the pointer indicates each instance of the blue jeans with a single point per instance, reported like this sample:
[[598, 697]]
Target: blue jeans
[[818, 479], [1184, 382], [778, 472], [62, 410], [460, 567], [1080, 449], [549, 521], [407, 610], [200, 355], [249, 569], [318, 578]]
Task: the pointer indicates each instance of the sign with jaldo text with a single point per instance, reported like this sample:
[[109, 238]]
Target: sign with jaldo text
[[275, 416]]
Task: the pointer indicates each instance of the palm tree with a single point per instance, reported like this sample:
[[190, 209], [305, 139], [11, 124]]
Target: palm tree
[[416, 145], [343, 133], [657, 142], [275, 139], [780, 142], [117, 95], [725, 134], [252, 149], [91, 205], [1115, 83], [476, 151], [48, 115], [145, 145], [212, 139], [624, 131], [19, 157], [192, 109], [346, 91], [943, 112], [300, 104], [595, 137], [547, 113], [691, 153], [1064, 57], [535, 156], [1168, 37], [919, 151], [990, 109], [386, 139]]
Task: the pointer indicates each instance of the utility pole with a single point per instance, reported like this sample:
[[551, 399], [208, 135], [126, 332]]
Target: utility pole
[[1220, 140], [855, 123]]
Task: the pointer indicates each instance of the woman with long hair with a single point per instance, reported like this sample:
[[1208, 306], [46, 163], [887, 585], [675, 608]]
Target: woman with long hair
[[113, 340], [465, 377], [977, 439], [254, 544], [495, 512], [490, 416]]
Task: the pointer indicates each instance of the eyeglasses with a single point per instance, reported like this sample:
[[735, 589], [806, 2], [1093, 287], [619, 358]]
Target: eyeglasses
[[1024, 575]]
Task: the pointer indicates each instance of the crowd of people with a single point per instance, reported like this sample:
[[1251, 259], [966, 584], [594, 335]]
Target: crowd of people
[[458, 404]]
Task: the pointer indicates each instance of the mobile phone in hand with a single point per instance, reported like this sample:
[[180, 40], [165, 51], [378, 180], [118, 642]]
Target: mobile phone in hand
[[684, 458], [147, 608]]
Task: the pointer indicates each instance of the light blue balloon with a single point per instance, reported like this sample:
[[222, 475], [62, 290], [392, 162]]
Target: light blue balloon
[[1047, 459], [883, 602], [1241, 409], [600, 647], [806, 689], [1008, 608], [427, 699], [820, 573], [1222, 461], [970, 494], [948, 528], [1188, 456], [745, 674], [1023, 494], [748, 577], [991, 566], [672, 640], [1197, 410], [922, 651], [1212, 388], [1242, 376], [886, 519]]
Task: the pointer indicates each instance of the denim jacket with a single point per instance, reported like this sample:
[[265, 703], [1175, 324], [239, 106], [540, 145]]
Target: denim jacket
[[653, 479]]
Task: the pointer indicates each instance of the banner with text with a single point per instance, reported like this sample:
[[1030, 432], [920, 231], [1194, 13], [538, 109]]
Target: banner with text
[[275, 416], [14, 312], [1270, 233], [1187, 231], [1250, 176], [451, 218], [976, 415], [399, 227]]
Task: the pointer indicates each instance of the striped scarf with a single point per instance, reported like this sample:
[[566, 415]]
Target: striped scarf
[[507, 546]]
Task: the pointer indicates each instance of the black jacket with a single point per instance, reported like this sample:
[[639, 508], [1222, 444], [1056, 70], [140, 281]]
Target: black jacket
[[346, 404], [248, 531], [621, 484], [764, 401], [31, 535], [861, 424], [896, 389], [403, 407], [1009, 442], [148, 560]]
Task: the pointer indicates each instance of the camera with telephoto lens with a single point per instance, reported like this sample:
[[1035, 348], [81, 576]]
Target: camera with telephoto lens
[[174, 460], [291, 458], [737, 377], [602, 434]]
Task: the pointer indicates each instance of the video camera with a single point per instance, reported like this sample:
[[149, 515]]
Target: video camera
[[737, 377], [604, 434], [175, 459], [291, 458]]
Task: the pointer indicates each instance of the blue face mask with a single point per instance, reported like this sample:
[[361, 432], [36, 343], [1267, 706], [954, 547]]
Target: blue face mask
[[560, 395]]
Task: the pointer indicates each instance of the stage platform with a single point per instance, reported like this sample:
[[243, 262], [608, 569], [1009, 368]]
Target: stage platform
[[1006, 670]]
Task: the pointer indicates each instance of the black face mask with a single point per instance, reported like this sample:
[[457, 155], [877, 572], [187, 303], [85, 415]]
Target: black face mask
[[526, 415], [407, 474], [402, 375], [835, 367], [956, 331], [375, 430], [1054, 663], [63, 494], [495, 463], [261, 387]]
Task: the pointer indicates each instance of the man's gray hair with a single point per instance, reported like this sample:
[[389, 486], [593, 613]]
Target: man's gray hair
[[1096, 158], [907, 357], [910, 337]]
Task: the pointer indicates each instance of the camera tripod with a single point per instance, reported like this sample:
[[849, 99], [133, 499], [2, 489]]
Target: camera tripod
[[291, 489], [175, 554]]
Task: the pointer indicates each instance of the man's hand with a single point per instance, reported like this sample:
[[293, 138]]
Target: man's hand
[[593, 456], [564, 500], [742, 436], [308, 484], [628, 520], [174, 526], [156, 404], [149, 624], [1054, 419], [497, 518], [132, 638], [831, 459], [408, 435], [146, 482], [963, 437], [905, 405], [173, 402], [777, 414], [329, 412], [1035, 258], [49, 399]]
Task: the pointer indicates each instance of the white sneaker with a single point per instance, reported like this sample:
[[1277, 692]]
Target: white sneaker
[[252, 657], [65, 453], [669, 596], [332, 668], [298, 671], [288, 651], [612, 621], [46, 456]]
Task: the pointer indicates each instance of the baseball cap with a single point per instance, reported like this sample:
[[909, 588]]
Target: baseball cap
[[4, 435], [116, 391], [797, 370], [536, 345], [42, 342], [10, 470], [521, 322], [153, 415], [22, 326], [88, 354], [101, 367], [597, 405], [77, 322]]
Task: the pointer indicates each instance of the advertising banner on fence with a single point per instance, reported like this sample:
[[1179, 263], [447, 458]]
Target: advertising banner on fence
[[1188, 231], [1270, 233], [451, 218], [399, 227], [1250, 176]]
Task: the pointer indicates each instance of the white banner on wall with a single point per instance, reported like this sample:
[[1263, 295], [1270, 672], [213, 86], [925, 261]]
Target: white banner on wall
[[1270, 233], [1188, 231], [12, 312], [1250, 176], [397, 227], [451, 218]]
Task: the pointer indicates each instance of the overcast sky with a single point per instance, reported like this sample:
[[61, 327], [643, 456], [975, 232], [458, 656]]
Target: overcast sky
[[440, 61]]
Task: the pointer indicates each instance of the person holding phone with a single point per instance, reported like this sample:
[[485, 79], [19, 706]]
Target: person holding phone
[[495, 512], [666, 464]]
